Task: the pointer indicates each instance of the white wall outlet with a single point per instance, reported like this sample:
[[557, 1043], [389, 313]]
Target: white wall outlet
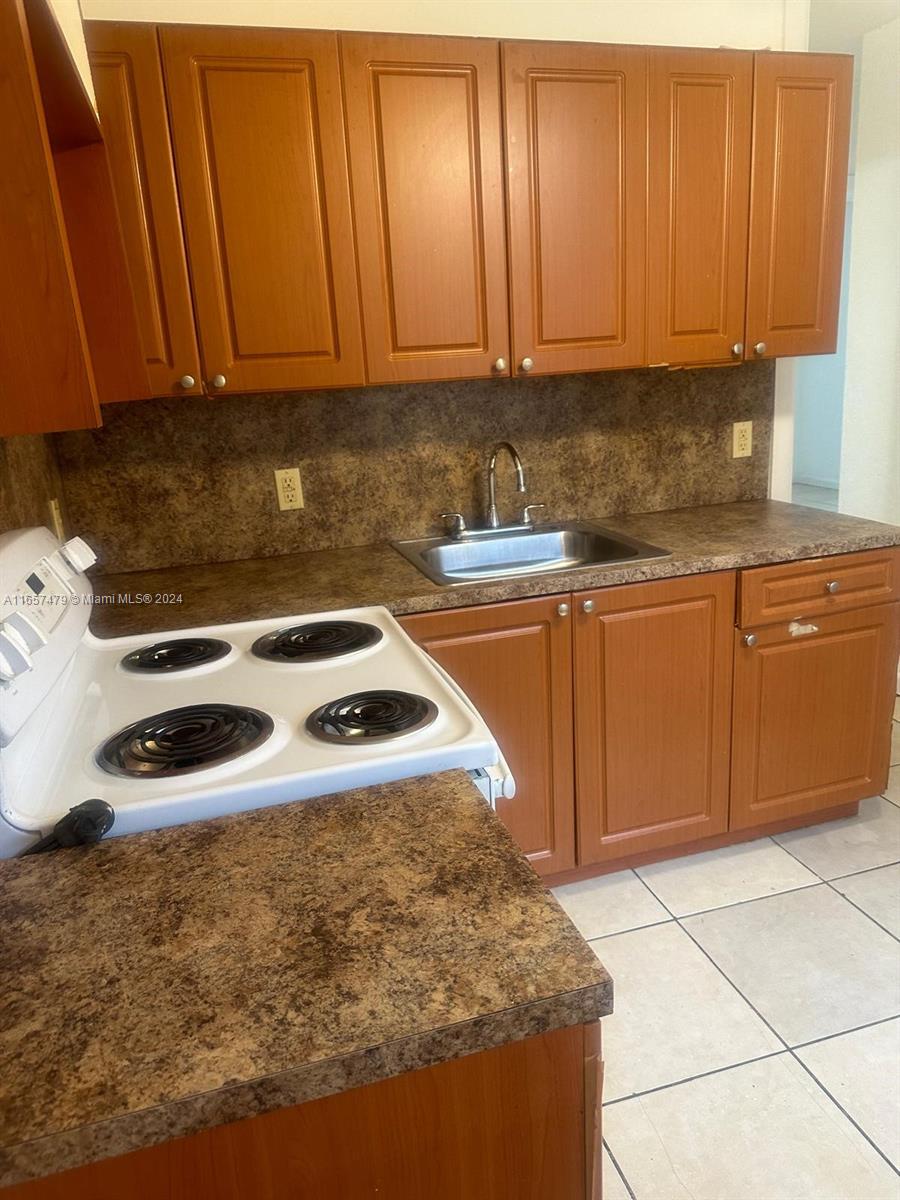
[[742, 439], [288, 488]]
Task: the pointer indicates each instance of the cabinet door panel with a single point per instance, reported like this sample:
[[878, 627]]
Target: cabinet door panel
[[812, 714], [801, 132], [652, 714], [576, 162], [424, 128], [700, 107], [514, 661], [258, 127], [128, 84]]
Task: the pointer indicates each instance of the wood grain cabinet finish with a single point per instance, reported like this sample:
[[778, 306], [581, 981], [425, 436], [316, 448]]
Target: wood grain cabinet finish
[[518, 1122], [812, 714], [699, 178], [801, 132], [128, 84], [257, 122], [514, 661], [576, 179], [817, 586], [652, 714], [423, 117]]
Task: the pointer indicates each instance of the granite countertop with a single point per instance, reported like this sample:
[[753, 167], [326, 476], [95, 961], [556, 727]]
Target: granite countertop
[[713, 538], [167, 982]]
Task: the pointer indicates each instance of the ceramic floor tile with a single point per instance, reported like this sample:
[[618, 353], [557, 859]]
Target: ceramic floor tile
[[763, 1131], [717, 877], [870, 839], [877, 893], [862, 1071], [808, 961], [674, 1017], [893, 787], [610, 904], [613, 1187]]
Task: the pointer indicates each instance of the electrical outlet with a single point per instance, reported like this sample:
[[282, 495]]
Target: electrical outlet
[[288, 488], [742, 439], [56, 520]]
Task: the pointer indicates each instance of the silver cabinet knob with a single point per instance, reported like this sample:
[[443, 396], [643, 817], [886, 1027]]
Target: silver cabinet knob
[[737, 349], [187, 381], [759, 348], [587, 606], [750, 639], [832, 586], [218, 381], [526, 364], [562, 609], [499, 364]]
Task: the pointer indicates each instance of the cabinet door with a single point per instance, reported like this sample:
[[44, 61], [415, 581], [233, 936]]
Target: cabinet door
[[813, 702], [700, 109], [514, 661], [576, 146], [424, 127], [652, 714], [257, 122], [129, 88], [801, 131]]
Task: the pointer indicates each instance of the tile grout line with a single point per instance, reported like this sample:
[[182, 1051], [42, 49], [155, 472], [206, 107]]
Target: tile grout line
[[866, 870], [664, 1087], [619, 1171], [853, 904], [818, 1082], [828, 1037]]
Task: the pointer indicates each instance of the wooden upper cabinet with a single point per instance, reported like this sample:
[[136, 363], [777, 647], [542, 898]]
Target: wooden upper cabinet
[[514, 661], [576, 179], [801, 131], [699, 164], [258, 127], [652, 714], [812, 714], [424, 128], [128, 85]]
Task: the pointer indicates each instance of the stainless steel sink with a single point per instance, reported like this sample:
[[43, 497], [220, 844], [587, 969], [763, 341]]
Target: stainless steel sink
[[536, 551]]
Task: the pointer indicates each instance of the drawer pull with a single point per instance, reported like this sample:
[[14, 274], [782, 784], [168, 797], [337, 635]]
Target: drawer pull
[[587, 606], [750, 639], [562, 609], [832, 586]]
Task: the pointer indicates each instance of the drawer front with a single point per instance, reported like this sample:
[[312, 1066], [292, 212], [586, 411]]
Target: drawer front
[[817, 586]]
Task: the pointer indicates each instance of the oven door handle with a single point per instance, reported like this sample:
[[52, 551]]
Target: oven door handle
[[503, 782]]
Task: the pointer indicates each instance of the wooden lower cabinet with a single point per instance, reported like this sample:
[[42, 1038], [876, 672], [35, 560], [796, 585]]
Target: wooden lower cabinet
[[519, 1122], [514, 661], [652, 714], [813, 701]]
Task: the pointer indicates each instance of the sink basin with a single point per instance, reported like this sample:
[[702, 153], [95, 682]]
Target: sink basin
[[535, 551]]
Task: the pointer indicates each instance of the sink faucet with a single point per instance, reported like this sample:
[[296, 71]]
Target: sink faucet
[[493, 517]]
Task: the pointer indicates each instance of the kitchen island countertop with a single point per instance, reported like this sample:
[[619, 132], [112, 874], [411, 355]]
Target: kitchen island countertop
[[170, 981], [716, 537]]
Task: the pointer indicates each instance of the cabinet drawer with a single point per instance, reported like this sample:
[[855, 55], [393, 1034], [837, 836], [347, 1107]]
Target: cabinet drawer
[[819, 585]]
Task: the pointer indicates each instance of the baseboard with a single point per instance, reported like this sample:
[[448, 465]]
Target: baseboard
[[807, 480]]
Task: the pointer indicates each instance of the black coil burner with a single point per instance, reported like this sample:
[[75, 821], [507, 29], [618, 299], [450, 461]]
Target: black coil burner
[[179, 654], [316, 641], [182, 740], [371, 716]]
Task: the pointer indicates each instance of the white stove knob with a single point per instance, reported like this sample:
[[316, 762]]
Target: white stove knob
[[24, 632], [78, 554], [13, 659]]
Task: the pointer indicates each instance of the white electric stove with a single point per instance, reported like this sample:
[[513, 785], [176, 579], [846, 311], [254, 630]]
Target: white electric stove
[[195, 723]]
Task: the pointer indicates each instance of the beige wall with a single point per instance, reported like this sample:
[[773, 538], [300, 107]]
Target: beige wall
[[68, 13], [744, 23]]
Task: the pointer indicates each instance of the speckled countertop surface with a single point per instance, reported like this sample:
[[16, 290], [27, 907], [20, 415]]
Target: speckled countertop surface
[[171, 981], [712, 538]]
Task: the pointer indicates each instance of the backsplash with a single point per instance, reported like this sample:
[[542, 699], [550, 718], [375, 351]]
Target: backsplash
[[177, 481], [29, 480]]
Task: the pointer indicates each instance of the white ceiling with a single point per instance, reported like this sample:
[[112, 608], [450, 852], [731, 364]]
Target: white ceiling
[[839, 24]]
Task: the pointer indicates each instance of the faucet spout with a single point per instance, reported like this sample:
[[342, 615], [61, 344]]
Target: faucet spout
[[493, 517]]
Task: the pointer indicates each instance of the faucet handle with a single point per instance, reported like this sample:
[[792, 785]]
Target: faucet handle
[[456, 523], [527, 519]]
